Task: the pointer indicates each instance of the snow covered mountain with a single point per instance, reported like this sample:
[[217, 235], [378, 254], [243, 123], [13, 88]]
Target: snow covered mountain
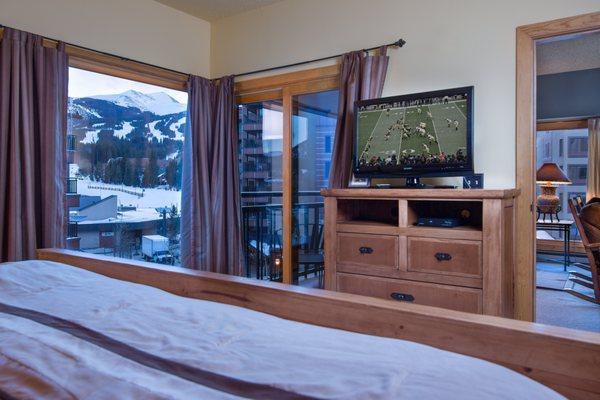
[[129, 116], [158, 103]]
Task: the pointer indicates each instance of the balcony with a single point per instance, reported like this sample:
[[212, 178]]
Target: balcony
[[262, 228]]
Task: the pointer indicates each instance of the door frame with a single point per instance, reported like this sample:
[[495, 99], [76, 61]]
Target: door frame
[[283, 87], [526, 37]]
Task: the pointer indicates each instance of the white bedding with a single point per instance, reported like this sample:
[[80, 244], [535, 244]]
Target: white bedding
[[226, 340]]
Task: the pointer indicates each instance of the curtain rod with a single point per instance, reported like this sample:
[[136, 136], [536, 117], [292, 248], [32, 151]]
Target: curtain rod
[[399, 43], [106, 53]]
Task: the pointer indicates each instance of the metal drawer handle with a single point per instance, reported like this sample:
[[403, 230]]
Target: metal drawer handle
[[443, 256], [365, 250], [402, 296]]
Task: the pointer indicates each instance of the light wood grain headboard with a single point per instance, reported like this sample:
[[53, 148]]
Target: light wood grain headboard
[[566, 360]]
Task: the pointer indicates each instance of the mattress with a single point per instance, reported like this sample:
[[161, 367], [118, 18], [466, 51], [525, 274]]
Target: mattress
[[67, 333]]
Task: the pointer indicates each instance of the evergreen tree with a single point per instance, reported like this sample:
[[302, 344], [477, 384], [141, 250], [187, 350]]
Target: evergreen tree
[[171, 173], [151, 172], [129, 176]]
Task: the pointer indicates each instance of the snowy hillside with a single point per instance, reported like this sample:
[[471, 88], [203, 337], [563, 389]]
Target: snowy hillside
[[158, 103]]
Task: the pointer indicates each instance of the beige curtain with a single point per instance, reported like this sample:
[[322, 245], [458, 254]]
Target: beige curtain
[[593, 179]]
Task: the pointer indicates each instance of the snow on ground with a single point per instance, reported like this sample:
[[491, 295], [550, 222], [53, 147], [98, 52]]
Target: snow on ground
[[98, 125], [139, 215], [176, 128], [155, 132], [124, 131], [91, 137], [152, 197], [172, 156]]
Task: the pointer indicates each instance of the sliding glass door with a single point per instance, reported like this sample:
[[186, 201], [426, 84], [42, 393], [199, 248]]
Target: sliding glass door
[[285, 144], [260, 130], [314, 117]]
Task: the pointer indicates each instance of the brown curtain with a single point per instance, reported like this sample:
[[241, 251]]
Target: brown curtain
[[593, 179], [33, 114], [210, 199], [361, 78]]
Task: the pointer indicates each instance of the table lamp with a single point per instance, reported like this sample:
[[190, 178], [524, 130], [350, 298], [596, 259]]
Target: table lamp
[[549, 176]]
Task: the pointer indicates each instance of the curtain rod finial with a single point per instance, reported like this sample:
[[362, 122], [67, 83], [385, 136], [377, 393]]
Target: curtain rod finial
[[400, 43]]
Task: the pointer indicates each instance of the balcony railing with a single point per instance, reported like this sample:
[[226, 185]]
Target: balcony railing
[[262, 225]]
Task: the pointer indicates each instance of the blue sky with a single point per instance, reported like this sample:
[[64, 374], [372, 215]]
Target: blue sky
[[84, 83]]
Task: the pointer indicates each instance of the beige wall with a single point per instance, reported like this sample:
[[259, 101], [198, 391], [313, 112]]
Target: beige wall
[[449, 44], [142, 30]]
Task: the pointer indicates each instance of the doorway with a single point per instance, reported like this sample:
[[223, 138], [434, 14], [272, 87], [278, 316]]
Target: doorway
[[526, 130]]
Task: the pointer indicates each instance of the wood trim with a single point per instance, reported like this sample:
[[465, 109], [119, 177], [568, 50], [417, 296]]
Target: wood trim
[[287, 79], [561, 358], [103, 63], [127, 69], [525, 149], [557, 246], [288, 254], [525, 169], [422, 194], [562, 125], [276, 94], [562, 26]]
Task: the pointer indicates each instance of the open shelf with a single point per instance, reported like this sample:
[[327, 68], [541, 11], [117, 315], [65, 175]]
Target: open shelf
[[469, 213], [373, 212]]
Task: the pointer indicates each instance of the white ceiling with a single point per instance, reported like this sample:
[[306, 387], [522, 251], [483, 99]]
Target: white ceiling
[[211, 10]]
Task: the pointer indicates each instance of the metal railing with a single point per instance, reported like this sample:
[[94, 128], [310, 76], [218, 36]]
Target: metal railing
[[262, 229]]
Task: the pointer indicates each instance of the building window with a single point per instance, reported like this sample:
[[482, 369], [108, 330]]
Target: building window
[[561, 145], [573, 162], [125, 140], [578, 147], [327, 145], [326, 167], [577, 174]]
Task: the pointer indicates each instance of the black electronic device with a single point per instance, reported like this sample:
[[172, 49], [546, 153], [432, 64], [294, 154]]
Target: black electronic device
[[474, 181], [438, 222]]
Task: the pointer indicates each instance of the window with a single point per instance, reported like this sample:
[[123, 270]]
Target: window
[[328, 144], [326, 168], [125, 140], [286, 134], [578, 147], [577, 174], [573, 162], [561, 145]]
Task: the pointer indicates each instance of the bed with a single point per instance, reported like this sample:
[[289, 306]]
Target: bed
[[74, 326]]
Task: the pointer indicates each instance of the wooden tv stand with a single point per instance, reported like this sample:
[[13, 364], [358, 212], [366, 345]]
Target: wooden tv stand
[[374, 248]]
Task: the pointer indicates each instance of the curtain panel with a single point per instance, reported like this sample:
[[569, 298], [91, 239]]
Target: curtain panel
[[210, 198], [361, 78], [33, 124], [593, 179]]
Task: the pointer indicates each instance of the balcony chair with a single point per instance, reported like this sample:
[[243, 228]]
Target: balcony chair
[[587, 220]]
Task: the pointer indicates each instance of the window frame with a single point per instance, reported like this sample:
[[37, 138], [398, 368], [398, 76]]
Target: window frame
[[559, 125], [283, 87]]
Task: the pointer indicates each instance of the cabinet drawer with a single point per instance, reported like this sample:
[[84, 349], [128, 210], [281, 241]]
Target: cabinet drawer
[[367, 250], [447, 257], [430, 294]]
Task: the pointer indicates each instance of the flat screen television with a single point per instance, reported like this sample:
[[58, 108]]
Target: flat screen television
[[415, 135]]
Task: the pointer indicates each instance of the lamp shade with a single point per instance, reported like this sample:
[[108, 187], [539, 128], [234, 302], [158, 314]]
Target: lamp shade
[[551, 173]]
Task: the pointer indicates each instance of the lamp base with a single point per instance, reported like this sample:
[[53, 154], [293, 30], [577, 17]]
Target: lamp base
[[548, 203]]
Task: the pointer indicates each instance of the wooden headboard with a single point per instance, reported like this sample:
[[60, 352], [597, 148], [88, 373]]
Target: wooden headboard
[[566, 360]]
